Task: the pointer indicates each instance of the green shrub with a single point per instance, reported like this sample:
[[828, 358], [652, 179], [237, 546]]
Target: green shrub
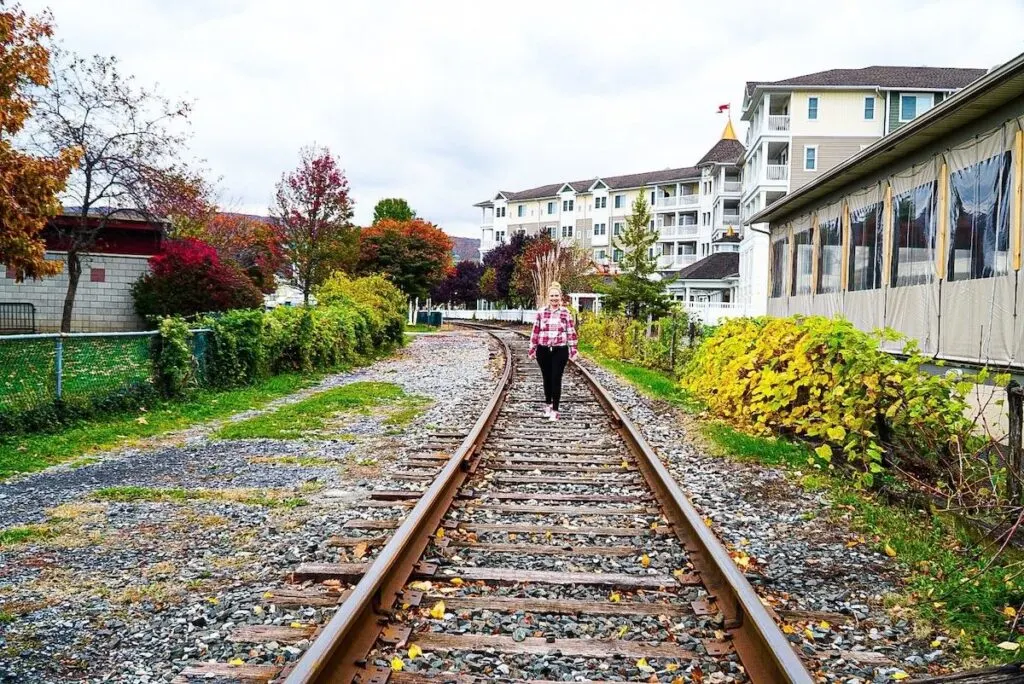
[[174, 368], [237, 352], [824, 380], [378, 296], [625, 339]]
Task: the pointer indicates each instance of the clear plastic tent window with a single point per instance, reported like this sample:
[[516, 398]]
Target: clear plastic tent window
[[830, 258], [979, 219], [914, 229], [866, 228], [780, 255], [803, 243]]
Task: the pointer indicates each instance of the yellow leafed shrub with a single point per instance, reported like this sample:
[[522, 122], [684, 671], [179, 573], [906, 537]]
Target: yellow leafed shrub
[[824, 380]]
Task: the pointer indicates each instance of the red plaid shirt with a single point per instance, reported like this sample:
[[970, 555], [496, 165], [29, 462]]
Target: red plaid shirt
[[553, 328]]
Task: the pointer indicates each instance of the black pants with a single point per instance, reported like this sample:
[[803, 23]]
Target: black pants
[[552, 362]]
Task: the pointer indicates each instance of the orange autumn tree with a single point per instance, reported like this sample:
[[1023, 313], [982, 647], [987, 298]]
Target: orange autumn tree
[[28, 185], [414, 254]]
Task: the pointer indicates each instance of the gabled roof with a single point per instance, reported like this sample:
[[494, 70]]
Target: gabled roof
[[884, 77], [714, 267], [636, 180]]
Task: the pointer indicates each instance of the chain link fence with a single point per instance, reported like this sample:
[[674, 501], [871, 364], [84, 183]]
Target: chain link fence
[[78, 368]]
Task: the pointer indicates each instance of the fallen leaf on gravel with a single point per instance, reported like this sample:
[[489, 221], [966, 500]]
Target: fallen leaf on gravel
[[437, 612], [397, 664], [235, 662], [511, 536], [824, 625], [440, 533], [213, 600], [808, 633], [415, 651], [359, 550], [899, 674], [1009, 646], [296, 625], [678, 572], [891, 552], [615, 597], [457, 581], [642, 665], [1010, 611], [624, 464], [671, 667], [679, 680], [936, 643], [421, 586], [645, 560], [332, 583], [547, 535], [788, 629], [622, 631], [268, 595]]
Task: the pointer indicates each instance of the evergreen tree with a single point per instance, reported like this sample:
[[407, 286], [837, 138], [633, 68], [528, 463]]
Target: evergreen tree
[[633, 291]]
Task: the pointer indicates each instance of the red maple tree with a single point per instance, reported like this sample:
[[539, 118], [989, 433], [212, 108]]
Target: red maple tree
[[414, 254]]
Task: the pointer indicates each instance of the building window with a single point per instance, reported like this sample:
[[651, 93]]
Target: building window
[[812, 108], [979, 219], [600, 229], [617, 228], [601, 203], [617, 256], [521, 210], [499, 236], [652, 198], [499, 212], [914, 228], [567, 231], [811, 158], [618, 201], [866, 248], [780, 255], [803, 243], [97, 275], [869, 108], [912, 106], [830, 256], [602, 254], [11, 273], [551, 207]]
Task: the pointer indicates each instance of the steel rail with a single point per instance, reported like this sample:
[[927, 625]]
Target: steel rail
[[763, 648], [338, 652]]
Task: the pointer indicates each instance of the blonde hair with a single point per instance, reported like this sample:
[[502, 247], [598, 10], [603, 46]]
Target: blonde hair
[[554, 287]]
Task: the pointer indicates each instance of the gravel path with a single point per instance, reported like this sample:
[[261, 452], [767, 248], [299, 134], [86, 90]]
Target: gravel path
[[801, 559], [134, 592]]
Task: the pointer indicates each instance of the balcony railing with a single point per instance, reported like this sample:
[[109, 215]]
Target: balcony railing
[[730, 219], [674, 261], [678, 231], [777, 172], [732, 186], [778, 123], [676, 201]]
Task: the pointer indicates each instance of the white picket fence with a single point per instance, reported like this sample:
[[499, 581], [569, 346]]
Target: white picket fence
[[506, 315]]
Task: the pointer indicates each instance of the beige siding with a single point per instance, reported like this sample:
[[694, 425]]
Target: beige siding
[[831, 151]]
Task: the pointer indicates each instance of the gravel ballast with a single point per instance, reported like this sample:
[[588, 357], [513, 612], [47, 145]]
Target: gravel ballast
[[136, 591]]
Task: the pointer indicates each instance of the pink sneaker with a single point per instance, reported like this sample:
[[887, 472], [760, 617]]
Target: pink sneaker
[[547, 410], [553, 416]]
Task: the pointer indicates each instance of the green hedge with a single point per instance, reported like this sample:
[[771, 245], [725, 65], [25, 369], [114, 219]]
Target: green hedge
[[355, 321]]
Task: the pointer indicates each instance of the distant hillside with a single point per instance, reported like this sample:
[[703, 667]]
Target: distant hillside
[[466, 249]]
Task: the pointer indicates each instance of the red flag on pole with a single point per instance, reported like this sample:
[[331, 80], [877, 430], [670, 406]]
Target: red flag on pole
[[722, 108]]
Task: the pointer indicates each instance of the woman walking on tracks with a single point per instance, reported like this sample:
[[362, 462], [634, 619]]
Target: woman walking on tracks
[[553, 343]]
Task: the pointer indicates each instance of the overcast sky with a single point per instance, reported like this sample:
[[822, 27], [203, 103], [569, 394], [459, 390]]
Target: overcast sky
[[444, 103]]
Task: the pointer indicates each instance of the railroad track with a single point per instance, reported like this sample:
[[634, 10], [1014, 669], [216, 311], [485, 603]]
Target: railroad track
[[539, 551]]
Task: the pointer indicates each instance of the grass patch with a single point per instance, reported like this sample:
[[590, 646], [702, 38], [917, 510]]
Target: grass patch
[[420, 328], [651, 383], [313, 416], [410, 409], [28, 453], [17, 535], [248, 497], [948, 585]]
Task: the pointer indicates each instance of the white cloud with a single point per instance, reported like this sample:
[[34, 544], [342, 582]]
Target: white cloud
[[443, 103]]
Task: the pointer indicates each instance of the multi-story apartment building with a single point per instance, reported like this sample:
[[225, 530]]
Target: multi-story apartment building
[[692, 207], [801, 127]]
